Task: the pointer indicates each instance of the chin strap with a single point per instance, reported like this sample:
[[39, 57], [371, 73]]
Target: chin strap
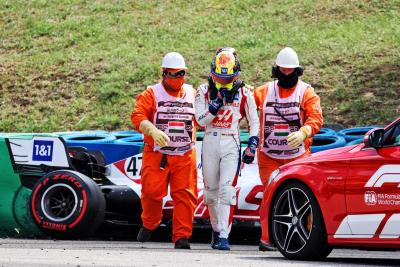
[[212, 89], [238, 84]]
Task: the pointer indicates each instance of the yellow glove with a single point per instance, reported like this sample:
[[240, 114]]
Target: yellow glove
[[297, 138], [159, 137]]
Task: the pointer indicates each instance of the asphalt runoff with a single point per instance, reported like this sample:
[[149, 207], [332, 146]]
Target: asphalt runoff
[[31, 252]]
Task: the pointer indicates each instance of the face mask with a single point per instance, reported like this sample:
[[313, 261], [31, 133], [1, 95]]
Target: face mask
[[174, 83], [287, 81]]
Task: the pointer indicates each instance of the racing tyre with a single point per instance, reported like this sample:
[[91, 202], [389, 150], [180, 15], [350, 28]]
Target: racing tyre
[[67, 204], [297, 224]]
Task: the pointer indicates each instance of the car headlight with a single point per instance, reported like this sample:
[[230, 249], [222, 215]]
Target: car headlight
[[273, 175]]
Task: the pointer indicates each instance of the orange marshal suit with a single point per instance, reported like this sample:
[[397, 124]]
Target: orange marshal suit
[[180, 172]]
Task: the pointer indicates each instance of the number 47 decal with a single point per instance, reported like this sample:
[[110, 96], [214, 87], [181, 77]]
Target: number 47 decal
[[134, 166]]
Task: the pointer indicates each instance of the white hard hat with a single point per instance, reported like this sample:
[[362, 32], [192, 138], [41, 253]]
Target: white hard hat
[[287, 58], [173, 60]]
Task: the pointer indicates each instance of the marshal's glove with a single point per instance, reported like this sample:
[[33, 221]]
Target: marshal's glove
[[159, 137], [216, 104], [295, 139], [250, 151]]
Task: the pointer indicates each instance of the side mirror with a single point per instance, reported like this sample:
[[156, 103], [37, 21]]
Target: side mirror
[[374, 137]]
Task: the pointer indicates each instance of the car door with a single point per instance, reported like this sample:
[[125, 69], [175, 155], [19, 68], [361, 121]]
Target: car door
[[373, 188]]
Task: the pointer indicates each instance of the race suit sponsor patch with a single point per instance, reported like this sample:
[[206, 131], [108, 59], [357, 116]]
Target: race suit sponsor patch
[[223, 119]]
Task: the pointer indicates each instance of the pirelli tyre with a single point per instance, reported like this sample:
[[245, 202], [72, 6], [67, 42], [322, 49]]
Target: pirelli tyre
[[67, 204], [297, 224]]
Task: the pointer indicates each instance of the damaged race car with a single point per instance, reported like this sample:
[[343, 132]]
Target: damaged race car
[[68, 191], [344, 197]]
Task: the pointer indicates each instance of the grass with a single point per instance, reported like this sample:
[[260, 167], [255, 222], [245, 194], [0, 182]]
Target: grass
[[74, 65]]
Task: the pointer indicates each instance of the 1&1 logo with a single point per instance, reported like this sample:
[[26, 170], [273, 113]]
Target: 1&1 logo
[[42, 150], [370, 198]]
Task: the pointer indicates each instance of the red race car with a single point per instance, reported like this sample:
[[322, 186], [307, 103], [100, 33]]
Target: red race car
[[344, 197]]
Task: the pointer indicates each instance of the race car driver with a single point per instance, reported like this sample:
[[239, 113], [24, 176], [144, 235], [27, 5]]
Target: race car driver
[[220, 105], [164, 113], [290, 114]]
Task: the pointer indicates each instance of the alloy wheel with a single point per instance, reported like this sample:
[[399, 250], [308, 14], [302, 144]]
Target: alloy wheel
[[292, 220]]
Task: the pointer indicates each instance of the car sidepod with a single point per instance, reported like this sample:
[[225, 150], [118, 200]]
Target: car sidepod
[[15, 216]]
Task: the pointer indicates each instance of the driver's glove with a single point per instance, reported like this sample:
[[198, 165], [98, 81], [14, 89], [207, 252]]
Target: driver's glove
[[250, 151]]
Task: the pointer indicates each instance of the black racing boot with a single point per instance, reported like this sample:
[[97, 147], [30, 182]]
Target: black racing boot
[[265, 247], [215, 240], [144, 234], [182, 243]]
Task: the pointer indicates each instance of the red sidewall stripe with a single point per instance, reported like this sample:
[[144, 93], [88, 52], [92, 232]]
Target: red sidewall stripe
[[34, 204], [74, 223]]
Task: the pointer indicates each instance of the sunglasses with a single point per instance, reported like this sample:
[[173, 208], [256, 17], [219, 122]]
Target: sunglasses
[[180, 73]]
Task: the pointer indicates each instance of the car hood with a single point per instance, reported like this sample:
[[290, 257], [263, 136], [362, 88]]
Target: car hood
[[331, 154], [334, 151]]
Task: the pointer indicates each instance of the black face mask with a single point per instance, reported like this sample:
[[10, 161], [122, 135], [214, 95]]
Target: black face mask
[[287, 81]]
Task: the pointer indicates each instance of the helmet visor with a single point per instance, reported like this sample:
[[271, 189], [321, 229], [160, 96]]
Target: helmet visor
[[224, 78]]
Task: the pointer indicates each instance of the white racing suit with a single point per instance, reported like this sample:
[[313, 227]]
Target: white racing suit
[[221, 152]]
